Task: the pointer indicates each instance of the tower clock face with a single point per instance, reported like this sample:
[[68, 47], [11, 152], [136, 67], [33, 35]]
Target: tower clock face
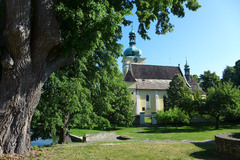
[[135, 60]]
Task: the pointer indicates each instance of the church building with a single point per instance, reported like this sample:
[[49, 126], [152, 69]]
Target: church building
[[148, 84]]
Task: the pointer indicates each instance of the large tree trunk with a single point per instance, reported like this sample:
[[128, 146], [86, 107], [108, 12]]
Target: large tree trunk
[[29, 54], [64, 136], [16, 114]]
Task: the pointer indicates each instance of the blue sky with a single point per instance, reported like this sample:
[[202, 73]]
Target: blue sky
[[209, 38]]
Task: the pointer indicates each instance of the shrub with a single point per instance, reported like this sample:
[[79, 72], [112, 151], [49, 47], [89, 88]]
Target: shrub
[[174, 115]]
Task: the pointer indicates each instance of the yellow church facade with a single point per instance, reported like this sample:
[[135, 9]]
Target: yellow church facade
[[148, 84]]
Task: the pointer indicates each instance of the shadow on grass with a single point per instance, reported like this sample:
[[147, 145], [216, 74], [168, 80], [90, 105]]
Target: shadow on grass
[[209, 152], [190, 128], [172, 130]]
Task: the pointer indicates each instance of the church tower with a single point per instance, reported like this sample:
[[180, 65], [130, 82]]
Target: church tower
[[187, 71], [132, 54]]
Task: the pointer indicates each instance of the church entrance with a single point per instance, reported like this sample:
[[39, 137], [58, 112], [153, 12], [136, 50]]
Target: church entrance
[[148, 119]]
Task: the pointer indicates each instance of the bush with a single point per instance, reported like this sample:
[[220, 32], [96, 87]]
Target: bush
[[174, 115]]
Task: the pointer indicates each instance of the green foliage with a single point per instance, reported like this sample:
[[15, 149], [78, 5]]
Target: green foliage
[[88, 25], [175, 115], [208, 79], [222, 99], [89, 93], [232, 74], [237, 73], [151, 10], [228, 74], [61, 97], [110, 95], [177, 92]]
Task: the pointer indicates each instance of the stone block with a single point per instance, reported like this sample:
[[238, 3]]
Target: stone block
[[100, 137]]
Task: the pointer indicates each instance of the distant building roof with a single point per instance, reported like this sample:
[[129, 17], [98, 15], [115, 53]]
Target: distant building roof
[[195, 86], [159, 84], [150, 76], [129, 77], [140, 71]]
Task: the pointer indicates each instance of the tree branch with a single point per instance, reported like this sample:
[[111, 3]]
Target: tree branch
[[59, 62]]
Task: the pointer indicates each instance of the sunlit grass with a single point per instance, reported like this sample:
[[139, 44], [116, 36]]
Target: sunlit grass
[[136, 151], [193, 132]]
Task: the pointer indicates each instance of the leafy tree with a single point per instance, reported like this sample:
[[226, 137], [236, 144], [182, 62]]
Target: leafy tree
[[63, 103], [175, 115], [232, 73], [39, 37], [110, 96], [74, 98], [222, 99], [177, 91], [228, 74], [208, 79]]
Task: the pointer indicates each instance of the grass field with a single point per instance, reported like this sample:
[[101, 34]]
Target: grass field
[[136, 151], [140, 150], [197, 132]]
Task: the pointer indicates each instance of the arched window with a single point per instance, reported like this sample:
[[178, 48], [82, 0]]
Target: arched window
[[147, 102]]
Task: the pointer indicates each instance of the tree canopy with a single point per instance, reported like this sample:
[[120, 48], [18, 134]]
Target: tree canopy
[[222, 99], [228, 74], [177, 92], [208, 79]]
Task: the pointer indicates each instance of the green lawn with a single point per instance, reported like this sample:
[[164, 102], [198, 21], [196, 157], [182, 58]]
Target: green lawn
[[197, 132], [136, 151], [140, 150]]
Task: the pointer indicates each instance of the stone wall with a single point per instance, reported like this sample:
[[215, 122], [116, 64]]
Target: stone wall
[[228, 143], [100, 137]]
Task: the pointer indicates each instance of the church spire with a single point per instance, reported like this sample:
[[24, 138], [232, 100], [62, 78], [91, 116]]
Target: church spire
[[132, 50], [187, 71], [132, 37]]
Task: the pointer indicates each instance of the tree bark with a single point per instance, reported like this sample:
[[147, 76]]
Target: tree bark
[[25, 66], [64, 136]]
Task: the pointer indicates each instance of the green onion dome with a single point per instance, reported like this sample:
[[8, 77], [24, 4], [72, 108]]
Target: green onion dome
[[132, 50]]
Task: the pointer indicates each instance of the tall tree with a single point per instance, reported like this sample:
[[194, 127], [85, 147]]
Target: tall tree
[[228, 74], [177, 92], [39, 37], [208, 79], [64, 103]]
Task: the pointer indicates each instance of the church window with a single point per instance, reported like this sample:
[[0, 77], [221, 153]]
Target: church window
[[143, 108], [147, 102]]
